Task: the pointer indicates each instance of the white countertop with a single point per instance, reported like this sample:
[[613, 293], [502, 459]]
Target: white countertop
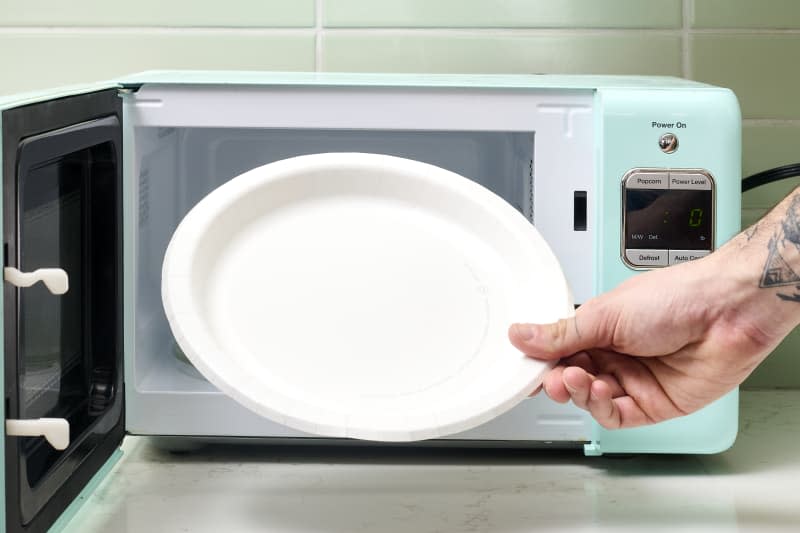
[[755, 486]]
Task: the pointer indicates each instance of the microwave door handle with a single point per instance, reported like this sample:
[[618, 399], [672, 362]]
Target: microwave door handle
[[55, 279], [54, 430]]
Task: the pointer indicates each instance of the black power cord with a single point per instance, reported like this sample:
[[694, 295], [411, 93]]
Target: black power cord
[[772, 175]]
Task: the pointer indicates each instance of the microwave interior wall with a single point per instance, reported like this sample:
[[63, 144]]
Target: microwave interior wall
[[179, 159]]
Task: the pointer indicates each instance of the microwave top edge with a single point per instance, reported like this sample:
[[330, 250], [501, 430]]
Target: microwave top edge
[[338, 79]]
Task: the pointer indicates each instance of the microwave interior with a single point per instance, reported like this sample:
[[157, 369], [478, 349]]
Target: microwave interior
[[188, 163], [181, 155]]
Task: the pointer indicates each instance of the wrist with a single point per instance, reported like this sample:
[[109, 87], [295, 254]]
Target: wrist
[[754, 285]]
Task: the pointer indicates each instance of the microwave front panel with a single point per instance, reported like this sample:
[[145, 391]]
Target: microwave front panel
[[63, 352], [707, 163]]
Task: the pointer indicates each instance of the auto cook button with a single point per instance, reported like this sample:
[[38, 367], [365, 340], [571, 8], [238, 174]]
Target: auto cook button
[[681, 256], [646, 258]]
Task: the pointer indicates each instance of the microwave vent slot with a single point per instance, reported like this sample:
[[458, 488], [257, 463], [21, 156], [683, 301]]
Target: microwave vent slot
[[530, 190], [144, 196]]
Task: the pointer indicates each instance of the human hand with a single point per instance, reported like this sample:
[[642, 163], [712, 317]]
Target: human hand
[[663, 344]]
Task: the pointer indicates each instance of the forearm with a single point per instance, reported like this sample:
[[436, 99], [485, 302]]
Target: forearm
[[764, 263]]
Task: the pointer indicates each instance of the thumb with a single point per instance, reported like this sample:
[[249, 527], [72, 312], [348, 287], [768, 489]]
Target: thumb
[[586, 329]]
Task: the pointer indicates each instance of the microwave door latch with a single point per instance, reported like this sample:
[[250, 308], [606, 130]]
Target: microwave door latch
[[54, 430], [55, 279]]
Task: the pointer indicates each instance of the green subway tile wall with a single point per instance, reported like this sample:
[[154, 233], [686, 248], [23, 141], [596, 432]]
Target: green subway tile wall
[[749, 46], [53, 58], [747, 14], [767, 146], [502, 14], [759, 67], [182, 13], [588, 54]]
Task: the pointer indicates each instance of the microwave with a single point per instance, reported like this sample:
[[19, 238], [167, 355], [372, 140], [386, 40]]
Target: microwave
[[95, 179]]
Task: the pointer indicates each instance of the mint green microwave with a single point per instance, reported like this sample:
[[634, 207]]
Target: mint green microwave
[[95, 179]]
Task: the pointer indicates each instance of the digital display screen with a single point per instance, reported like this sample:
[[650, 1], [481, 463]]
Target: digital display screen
[[668, 219]]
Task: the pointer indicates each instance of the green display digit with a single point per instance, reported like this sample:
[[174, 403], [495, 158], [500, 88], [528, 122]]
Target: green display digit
[[695, 217]]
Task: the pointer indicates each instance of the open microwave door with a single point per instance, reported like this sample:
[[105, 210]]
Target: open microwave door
[[62, 300]]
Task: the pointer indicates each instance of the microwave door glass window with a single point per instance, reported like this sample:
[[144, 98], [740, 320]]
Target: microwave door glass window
[[50, 325], [53, 365]]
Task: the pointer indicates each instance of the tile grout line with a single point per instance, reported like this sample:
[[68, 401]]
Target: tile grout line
[[163, 30], [771, 121], [318, 35], [685, 30], [477, 31], [318, 27], [686, 66], [747, 31], [678, 30]]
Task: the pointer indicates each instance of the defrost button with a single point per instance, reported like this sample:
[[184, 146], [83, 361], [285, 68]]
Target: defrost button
[[647, 258]]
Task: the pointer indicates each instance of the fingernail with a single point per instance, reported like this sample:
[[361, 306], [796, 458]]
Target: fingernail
[[571, 390], [523, 331]]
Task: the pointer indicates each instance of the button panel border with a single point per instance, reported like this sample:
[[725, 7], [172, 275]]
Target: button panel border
[[645, 170]]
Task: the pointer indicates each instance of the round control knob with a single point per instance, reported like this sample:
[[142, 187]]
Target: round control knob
[[668, 142]]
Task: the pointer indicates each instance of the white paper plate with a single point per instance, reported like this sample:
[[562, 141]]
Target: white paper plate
[[361, 295]]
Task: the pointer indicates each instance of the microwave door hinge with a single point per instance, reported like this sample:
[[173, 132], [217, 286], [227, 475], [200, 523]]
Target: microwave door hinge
[[54, 430], [55, 279]]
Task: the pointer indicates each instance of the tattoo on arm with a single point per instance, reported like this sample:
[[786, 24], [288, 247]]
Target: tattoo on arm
[[749, 232], [784, 251], [791, 297]]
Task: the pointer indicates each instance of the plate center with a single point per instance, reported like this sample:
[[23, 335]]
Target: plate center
[[353, 297]]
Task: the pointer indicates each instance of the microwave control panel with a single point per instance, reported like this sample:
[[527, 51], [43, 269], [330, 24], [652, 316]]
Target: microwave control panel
[[667, 216]]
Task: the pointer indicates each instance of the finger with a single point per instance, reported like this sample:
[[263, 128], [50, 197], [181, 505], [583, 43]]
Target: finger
[[596, 395], [582, 360], [636, 378], [590, 327], [630, 413], [601, 405], [545, 341], [614, 384], [578, 383], [615, 413], [553, 385]]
